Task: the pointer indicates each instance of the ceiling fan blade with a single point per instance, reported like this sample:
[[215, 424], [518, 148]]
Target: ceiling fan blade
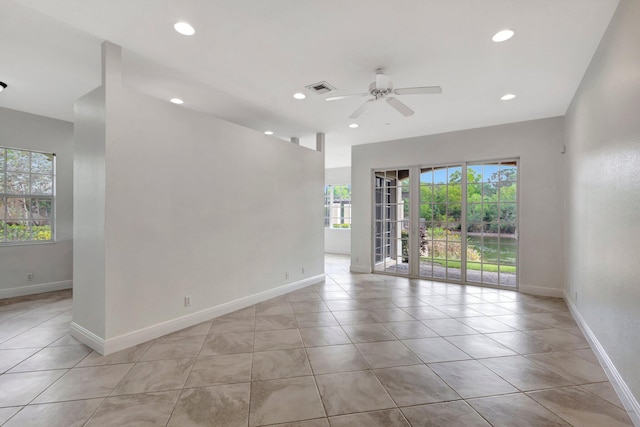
[[361, 109], [402, 109], [425, 90], [339, 97], [382, 81]]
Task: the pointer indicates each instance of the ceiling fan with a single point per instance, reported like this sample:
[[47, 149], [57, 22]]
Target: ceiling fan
[[382, 88]]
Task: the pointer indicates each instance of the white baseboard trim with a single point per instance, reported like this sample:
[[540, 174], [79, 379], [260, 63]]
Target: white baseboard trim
[[360, 268], [35, 289], [626, 397], [336, 252], [541, 291], [140, 336], [87, 337]]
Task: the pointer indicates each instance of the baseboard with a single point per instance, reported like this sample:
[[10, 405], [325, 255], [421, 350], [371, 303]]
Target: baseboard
[[360, 268], [140, 336], [626, 397], [87, 337], [35, 289], [541, 291], [336, 252]]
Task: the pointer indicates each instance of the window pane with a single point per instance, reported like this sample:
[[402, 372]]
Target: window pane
[[454, 193], [41, 231], [490, 192], [2, 208], [508, 171], [439, 212], [474, 213], [474, 193], [2, 232], [440, 175], [41, 209], [426, 176], [42, 163], [508, 228], [426, 194], [17, 208], [18, 160], [508, 212], [17, 183], [490, 172], [18, 231], [3, 156], [41, 184], [508, 192], [454, 212]]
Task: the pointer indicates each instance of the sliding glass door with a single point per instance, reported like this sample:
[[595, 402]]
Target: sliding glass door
[[453, 222], [441, 222]]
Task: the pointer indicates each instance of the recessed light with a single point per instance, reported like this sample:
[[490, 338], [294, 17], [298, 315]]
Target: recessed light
[[184, 28], [268, 132], [508, 97], [177, 101], [502, 36], [299, 95], [3, 86], [353, 125]]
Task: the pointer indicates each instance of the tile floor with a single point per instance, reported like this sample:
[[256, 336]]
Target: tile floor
[[356, 350]]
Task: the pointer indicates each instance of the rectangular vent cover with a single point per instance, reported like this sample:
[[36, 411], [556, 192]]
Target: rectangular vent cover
[[321, 87]]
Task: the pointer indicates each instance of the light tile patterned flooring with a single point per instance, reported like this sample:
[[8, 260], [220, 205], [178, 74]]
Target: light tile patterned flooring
[[356, 350]]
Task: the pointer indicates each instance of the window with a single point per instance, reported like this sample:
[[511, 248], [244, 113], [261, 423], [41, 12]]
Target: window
[[27, 180], [337, 206]]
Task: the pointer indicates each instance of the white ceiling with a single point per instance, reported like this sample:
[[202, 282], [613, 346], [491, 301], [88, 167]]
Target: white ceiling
[[248, 57]]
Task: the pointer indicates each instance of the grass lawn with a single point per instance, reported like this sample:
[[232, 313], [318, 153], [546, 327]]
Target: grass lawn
[[474, 266]]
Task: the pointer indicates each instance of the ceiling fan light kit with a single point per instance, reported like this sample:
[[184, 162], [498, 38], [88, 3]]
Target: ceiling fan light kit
[[382, 88]]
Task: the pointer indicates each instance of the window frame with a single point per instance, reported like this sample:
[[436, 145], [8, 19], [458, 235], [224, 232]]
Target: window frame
[[29, 195]]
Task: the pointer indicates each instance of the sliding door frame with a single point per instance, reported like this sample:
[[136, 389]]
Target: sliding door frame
[[414, 222]]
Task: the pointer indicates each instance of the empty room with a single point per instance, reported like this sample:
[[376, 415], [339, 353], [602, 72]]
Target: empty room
[[319, 213]]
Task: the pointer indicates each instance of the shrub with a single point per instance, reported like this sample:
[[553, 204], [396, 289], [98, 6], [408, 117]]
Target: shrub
[[20, 232], [438, 248]]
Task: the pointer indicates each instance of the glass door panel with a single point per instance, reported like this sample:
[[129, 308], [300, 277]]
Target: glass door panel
[[440, 222], [391, 221], [492, 214]]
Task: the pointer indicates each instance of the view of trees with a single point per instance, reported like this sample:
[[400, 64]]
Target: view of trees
[[491, 199], [26, 195]]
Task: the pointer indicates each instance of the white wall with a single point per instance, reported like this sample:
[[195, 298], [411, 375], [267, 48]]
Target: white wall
[[89, 212], [537, 143], [603, 195], [50, 263], [194, 206], [337, 240]]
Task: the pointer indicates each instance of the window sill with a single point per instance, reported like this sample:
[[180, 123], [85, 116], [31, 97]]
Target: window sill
[[14, 244]]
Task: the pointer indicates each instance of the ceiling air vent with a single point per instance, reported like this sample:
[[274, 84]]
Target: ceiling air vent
[[321, 88]]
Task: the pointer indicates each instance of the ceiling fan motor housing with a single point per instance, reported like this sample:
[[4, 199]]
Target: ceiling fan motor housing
[[380, 92]]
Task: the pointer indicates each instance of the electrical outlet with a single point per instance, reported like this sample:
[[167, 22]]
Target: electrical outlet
[[576, 296], [29, 277], [187, 301], [302, 270], [286, 275]]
